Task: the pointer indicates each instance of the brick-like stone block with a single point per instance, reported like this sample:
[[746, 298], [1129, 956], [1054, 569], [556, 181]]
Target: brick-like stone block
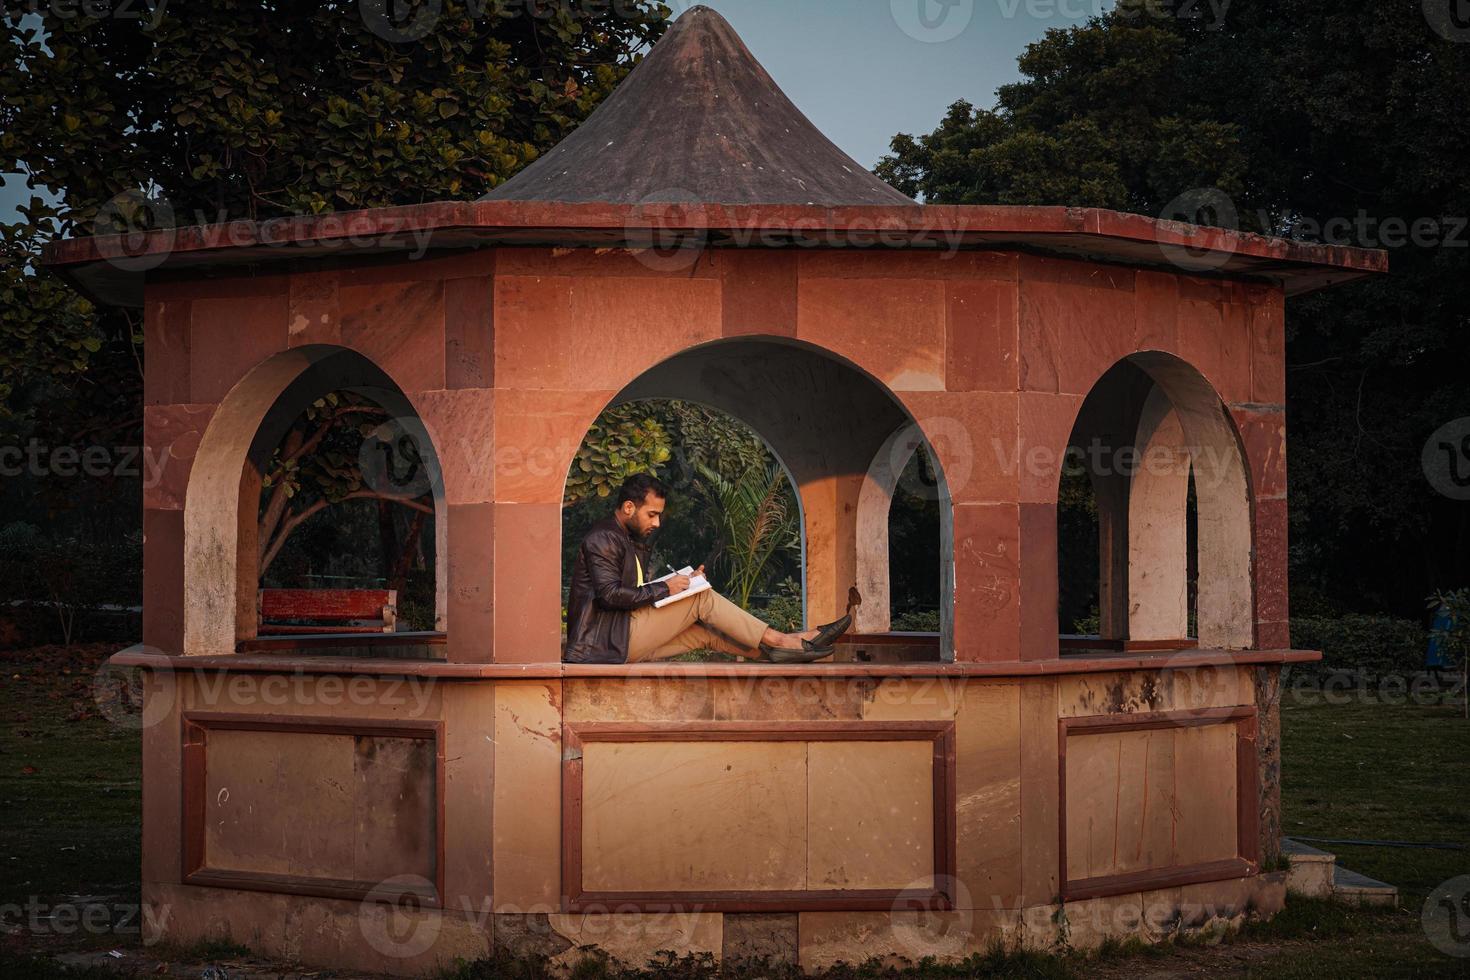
[[163, 580], [171, 436], [537, 434], [1076, 321], [469, 330], [314, 316], [528, 586], [461, 424], [1046, 423], [230, 335], [891, 328], [974, 438], [758, 293], [166, 338], [982, 334], [987, 582], [470, 595], [399, 326]]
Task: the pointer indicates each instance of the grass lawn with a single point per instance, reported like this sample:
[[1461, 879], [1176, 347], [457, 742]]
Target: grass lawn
[[71, 796]]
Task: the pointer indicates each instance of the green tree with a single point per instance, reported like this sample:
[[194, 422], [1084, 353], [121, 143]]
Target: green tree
[[163, 115], [1342, 122]]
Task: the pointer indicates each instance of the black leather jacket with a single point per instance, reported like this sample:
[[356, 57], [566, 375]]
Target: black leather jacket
[[605, 593]]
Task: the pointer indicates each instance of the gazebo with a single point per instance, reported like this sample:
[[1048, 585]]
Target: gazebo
[[397, 800]]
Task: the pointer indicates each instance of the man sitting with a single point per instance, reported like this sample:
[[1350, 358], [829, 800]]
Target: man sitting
[[611, 618]]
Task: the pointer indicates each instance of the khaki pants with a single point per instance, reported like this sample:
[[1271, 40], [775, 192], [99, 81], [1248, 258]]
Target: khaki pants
[[707, 621]]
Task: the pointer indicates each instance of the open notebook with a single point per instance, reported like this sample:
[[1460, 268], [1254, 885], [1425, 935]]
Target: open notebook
[[697, 584]]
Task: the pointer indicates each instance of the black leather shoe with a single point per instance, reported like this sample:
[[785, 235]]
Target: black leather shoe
[[808, 654], [829, 634]]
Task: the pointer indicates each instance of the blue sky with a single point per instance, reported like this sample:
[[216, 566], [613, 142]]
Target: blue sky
[[864, 70]]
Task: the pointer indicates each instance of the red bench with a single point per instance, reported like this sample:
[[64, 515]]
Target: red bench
[[336, 610]]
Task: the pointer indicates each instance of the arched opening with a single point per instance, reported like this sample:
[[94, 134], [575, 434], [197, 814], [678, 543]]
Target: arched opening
[[238, 520], [1154, 522], [841, 441]]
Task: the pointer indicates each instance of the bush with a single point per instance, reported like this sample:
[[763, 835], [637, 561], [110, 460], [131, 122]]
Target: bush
[[64, 591], [1350, 642]]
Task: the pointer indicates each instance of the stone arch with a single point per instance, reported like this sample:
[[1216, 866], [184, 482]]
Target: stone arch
[[1158, 420], [220, 564], [836, 430]]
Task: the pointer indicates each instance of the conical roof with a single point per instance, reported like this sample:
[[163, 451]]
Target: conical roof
[[699, 121]]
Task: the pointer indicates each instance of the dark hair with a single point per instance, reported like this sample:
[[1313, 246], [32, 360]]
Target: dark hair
[[636, 488]]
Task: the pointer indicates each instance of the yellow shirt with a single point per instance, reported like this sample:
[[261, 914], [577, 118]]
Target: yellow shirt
[[640, 570]]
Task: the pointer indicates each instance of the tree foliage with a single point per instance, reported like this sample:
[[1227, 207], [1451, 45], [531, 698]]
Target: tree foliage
[[159, 114], [1341, 122]]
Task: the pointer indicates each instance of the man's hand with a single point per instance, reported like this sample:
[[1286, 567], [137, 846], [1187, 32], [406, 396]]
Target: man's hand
[[680, 583]]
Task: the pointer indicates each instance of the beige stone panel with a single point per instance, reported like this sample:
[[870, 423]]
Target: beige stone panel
[[870, 815], [903, 937], [1134, 692], [773, 937], [395, 809], [639, 699], [1199, 688], [988, 796], [469, 797], [693, 816], [633, 939], [1087, 924], [1150, 839], [1094, 771], [1205, 822], [315, 932], [527, 815], [914, 699], [1119, 803], [1190, 910], [1040, 792], [279, 803]]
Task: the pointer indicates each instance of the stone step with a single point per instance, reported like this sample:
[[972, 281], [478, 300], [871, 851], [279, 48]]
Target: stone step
[[1315, 873], [1353, 888], [1311, 870]]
